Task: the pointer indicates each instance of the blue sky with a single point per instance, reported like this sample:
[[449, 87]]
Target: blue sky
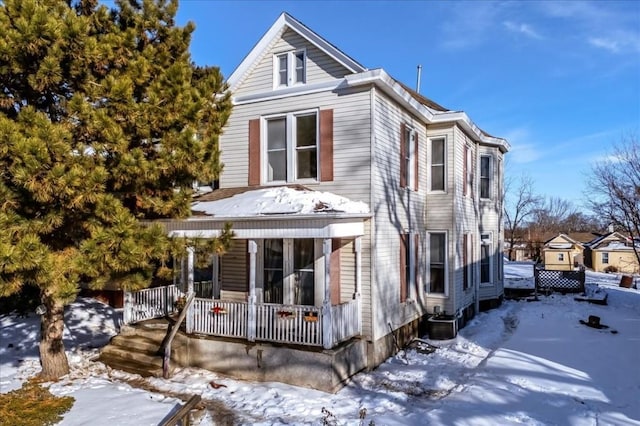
[[559, 80]]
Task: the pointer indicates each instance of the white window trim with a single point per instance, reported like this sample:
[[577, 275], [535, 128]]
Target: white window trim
[[427, 245], [560, 257], [291, 68], [486, 238], [290, 131], [491, 161], [605, 254], [430, 164]]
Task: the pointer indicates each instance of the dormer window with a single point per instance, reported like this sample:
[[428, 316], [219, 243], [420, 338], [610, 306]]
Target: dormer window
[[290, 68]]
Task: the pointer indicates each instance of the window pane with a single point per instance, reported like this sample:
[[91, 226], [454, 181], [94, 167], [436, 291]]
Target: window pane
[[437, 178], [307, 164], [303, 259], [306, 130], [276, 134], [437, 151], [300, 67], [282, 70], [273, 264], [277, 167]]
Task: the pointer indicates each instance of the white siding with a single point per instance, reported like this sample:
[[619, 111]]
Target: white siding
[[320, 66]]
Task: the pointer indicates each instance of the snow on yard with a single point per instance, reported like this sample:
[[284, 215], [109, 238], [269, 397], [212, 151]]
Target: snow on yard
[[530, 363]]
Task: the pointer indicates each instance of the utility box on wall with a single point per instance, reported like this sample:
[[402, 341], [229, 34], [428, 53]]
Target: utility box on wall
[[442, 327]]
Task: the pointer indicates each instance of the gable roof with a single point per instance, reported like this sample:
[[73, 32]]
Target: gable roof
[[609, 241], [430, 111], [283, 22], [553, 243]]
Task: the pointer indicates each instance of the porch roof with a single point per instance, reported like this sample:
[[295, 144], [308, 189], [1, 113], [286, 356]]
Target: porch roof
[[272, 212]]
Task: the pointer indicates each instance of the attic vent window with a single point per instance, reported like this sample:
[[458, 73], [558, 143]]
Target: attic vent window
[[290, 68]]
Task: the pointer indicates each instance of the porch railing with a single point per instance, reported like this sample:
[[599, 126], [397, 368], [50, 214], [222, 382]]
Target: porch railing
[[293, 324], [150, 303], [219, 318], [346, 321]]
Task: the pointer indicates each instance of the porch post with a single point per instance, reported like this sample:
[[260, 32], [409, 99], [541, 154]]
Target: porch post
[[128, 307], [215, 277], [251, 326], [190, 270], [327, 323]]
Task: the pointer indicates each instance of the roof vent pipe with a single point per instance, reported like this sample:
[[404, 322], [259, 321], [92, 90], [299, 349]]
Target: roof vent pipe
[[419, 75]]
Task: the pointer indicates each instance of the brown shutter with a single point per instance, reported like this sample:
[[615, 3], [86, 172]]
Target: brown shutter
[[335, 271], [326, 145], [254, 152], [465, 177], [403, 154], [465, 261], [403, 267], [416, 161]]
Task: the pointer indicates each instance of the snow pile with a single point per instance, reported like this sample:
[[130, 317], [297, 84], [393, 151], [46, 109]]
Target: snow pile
[[530, 363], [280, 200]]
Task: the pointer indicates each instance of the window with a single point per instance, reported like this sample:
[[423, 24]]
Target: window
[[290, 68], [437, 262], [273, 271], [437, 164], [292, 147], [465, 171], [485, 176], [485, 259], [466, 262], [409, 250], [408, 157], [605, 258], [560, 257]]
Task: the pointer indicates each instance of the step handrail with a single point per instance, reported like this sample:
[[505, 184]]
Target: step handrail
[[166, 345], [183, 413]]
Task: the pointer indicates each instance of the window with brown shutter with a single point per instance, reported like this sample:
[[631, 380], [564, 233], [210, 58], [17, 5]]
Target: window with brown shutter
[[403, 155]]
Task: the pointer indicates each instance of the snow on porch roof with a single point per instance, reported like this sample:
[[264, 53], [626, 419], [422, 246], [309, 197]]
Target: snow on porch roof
[[270, 201]]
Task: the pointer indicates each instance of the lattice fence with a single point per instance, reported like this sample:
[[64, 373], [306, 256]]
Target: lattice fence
[[562, 281]]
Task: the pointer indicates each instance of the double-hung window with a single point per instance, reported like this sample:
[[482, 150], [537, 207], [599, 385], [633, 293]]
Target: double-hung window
[[409, 158], [438, 148], [290, 68], [437, 262], [605, 258], [292, 147], [485, 176]]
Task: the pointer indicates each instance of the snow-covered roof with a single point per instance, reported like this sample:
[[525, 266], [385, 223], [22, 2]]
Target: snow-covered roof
[[280, 201]]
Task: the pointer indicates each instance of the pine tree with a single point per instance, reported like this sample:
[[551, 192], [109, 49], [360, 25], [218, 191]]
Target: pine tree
[[104, 123]]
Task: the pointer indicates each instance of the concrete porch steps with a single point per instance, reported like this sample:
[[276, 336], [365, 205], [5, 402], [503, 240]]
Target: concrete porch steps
[[137, 349]]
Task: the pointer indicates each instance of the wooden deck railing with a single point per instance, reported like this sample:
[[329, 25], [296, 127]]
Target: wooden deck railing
[[294, 324], [219, 318], [149, 303], [301, 325]]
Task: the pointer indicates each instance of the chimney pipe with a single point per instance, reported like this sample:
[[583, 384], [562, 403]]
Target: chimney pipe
[[419, 75]]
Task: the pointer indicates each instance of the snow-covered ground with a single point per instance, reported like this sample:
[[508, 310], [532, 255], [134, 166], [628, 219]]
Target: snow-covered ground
[[529, 363]]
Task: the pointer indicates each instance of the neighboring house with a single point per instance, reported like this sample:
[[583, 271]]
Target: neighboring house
[[357, 204], [613, 252], [562, 253]]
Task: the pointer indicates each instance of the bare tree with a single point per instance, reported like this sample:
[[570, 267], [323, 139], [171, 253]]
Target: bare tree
[[520, 203], [553, 214], [615, 189]]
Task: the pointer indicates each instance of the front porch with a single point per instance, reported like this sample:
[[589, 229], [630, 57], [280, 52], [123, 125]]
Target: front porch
[[323, 327]]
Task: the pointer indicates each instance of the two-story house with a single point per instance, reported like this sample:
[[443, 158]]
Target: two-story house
[[359, 207]]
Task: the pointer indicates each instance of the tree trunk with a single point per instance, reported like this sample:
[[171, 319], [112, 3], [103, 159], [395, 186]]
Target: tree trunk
[[52, 355]]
